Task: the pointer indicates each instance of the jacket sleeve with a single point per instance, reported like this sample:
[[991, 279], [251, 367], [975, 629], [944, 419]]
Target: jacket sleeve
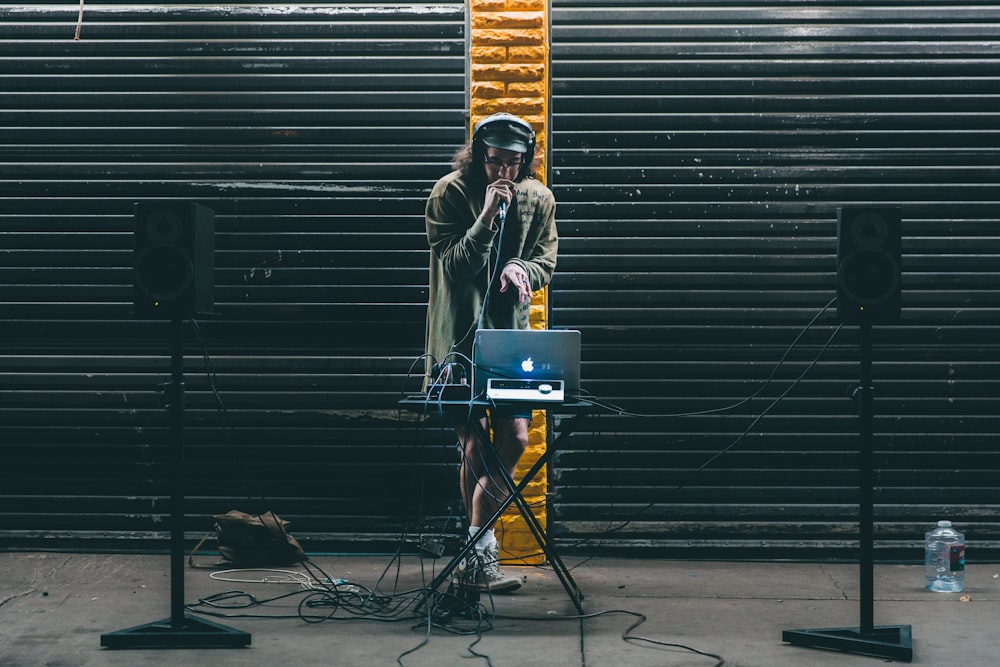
[[457, 239], [542, 245]]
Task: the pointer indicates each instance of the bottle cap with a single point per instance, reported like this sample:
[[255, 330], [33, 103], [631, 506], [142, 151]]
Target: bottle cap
[[944, 524]]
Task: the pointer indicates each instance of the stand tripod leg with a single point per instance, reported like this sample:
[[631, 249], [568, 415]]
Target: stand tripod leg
[[894, 642], [514, 496], [514, 493], [562, 572], [180, 630]]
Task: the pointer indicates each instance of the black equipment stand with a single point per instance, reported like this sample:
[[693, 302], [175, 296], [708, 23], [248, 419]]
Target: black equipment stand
[[421, 403], [180, 630], [890, 641]]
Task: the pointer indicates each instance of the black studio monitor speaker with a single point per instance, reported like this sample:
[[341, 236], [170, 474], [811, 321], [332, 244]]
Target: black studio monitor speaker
[[869, 268], [174, 260]]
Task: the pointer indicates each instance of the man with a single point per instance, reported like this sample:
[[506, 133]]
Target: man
[[492, 233]]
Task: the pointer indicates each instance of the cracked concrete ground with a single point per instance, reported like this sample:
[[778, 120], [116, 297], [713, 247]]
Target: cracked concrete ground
[[56, 607]]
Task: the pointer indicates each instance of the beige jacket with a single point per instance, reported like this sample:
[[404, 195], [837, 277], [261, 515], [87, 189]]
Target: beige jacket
[[463, 259]]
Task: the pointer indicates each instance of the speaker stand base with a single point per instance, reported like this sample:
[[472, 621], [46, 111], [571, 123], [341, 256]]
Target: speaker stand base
[[888, 641], [191, 633]]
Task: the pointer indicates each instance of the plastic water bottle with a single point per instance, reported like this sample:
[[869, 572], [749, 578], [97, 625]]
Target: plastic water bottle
[[944, 559]]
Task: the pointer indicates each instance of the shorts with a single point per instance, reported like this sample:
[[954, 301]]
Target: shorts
[[502, 411]]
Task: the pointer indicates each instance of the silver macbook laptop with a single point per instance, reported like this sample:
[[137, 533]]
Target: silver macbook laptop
[[526, 365]]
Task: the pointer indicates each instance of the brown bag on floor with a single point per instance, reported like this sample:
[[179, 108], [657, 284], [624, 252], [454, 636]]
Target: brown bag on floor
[[253, 540]]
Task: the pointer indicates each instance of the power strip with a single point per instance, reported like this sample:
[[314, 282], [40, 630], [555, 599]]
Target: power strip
[[449, 392]]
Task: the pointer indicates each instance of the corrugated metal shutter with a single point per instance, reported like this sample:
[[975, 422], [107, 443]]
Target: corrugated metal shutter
[[314, 132], [699, 154]]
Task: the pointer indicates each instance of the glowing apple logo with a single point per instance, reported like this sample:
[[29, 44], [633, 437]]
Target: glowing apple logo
[[528, 366]]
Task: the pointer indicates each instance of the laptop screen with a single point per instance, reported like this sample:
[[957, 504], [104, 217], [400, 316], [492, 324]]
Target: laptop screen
[[538, 355]]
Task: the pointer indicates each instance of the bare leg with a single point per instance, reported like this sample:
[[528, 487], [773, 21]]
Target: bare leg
[[480, 480], [483, 490]]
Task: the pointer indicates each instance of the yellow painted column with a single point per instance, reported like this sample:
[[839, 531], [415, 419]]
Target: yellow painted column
[[509, 71]]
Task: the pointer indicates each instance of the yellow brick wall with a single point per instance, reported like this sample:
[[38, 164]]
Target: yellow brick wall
[[508, 65]]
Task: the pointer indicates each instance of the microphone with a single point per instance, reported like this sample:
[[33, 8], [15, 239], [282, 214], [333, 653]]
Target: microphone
[[503, 212]]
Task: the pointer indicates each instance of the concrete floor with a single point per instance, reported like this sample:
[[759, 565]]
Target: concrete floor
[[56, 607]]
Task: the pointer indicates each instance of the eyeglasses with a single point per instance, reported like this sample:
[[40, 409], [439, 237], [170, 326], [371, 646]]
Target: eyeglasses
[[500, 164]]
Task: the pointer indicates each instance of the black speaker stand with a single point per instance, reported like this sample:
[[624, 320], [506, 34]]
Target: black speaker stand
[[891, 641], [180, 630]]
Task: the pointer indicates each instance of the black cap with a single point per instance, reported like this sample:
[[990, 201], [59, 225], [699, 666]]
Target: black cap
[[506, 131]]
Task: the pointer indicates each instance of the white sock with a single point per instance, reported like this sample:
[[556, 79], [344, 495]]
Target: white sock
[[487, 539]]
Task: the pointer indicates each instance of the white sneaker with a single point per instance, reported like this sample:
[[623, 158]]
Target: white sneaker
[[482, 571]]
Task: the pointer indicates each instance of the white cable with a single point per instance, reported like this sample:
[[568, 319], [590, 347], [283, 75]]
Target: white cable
[[287, 577]]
